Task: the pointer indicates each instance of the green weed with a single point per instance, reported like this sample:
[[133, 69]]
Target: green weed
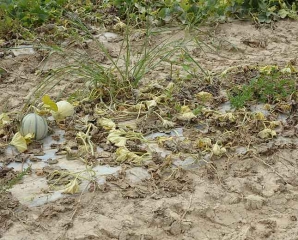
[[264, 88], [15, 180]]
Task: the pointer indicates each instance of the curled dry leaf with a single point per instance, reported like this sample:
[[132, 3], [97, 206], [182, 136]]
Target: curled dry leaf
[[227, 117], [186, 114], [289, 69], [19, 142], [151, 104], [274, 124], [124, 155], [106, 123], [170, 86], [117, 137], [203, 143], [267, 133], [167, 124], [217, 150], [268, 69], [28, 138], [138, 107], [204, 97], [72, 187], [259, 116], [4, 119]]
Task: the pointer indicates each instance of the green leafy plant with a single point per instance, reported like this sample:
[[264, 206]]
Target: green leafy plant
[[265, 88], [18, 177], [192, 12], [20, 14]]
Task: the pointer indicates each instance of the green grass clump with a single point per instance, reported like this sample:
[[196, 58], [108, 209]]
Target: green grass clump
[[264, 88], [17, 178]]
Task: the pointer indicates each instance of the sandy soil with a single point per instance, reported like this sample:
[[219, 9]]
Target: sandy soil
[[237, 198]]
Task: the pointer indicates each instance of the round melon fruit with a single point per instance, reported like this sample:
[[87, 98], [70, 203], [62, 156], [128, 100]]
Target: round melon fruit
[[33, 123]]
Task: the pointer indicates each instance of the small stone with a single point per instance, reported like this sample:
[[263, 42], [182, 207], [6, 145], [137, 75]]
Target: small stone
[[175, 228], [39, 172], [23, 50], [254, 202], [35, 159], [52, 161], [137, 175]]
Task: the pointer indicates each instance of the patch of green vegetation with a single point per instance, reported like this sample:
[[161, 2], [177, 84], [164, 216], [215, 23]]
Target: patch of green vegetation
[[192, 12], [21, 17], [4, 187], [264, 88], [18, 14]]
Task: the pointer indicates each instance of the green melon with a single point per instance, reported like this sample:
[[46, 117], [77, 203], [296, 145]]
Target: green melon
[[33, 123]]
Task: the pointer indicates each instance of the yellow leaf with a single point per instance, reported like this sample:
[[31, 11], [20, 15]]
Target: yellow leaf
[[106, 123], [268, 69], [186, 116], [19, 142], [274, 124], [49, 103], [124, 155], [204, 97], [227, 116], [217, 150], [267, 133], [203, 143], [162, 139], [167, 124], [4, 119], [185, 109], [72, 187], [259, 116], [151, 104], [117, 137], [138, 107], [28, 138], [267, 107]]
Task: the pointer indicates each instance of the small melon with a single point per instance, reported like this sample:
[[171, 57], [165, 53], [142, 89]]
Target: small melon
[[33, 123]]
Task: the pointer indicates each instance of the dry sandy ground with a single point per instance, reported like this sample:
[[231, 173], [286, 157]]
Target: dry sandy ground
[[240, 198]]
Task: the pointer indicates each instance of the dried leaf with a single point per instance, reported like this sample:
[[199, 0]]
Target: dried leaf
[[28, 138], [167, 124], [259, 116], [124, 155], [72, 187], [267, 133], [19, 142], [4, 119], [217, 150], [106, 123], [186, 114], [185, 109], [204, 143], [117, 137], [138, 107], [268, 69], [204, 97], [227, 116], [151, 104]]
